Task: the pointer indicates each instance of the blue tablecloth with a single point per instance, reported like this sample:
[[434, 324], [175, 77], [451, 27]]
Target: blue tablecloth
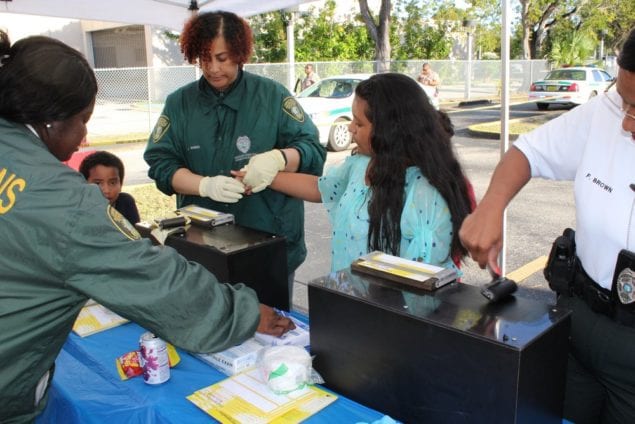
[[87, 389]]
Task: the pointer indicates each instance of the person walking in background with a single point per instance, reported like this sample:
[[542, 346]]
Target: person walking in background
[[593, 145], [311, 77], [106, 171], [63, 243], [428, 77], [404, 192], [226, 120]]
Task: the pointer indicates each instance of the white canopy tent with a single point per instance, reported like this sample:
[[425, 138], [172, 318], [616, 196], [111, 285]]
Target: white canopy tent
[[170, 14], [166, 13]]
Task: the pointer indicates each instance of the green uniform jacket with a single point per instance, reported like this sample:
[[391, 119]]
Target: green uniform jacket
[[60, 244], [211, 134]]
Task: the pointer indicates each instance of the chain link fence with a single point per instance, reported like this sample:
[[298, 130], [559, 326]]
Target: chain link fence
[[130, 100]]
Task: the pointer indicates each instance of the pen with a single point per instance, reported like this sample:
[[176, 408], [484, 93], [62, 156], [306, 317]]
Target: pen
[[281, 313]]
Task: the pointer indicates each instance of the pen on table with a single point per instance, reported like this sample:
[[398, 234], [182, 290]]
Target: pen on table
[[280, 313]]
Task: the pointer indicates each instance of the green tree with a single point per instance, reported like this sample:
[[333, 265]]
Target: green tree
[[538, 16], [586, 19], [270, 37], [428, 29], [485, 13], [379, 31], [416, 37], [318, 37], [615, 17], [572, 48], [322, 38]]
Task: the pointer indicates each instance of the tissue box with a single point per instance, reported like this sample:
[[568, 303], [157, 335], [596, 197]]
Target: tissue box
[[296, 337], [235, 359]]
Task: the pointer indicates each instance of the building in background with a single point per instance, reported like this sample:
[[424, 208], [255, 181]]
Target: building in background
[[105, 44]]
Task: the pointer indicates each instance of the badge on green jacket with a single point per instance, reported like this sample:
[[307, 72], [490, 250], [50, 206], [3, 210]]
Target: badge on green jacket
[[293, 109], [122, 224], [160, 128]]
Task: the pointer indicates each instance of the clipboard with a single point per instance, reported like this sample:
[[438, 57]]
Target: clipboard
[[404, 271], [205, 217]]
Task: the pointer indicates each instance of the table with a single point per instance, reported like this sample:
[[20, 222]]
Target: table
[[87, 389]]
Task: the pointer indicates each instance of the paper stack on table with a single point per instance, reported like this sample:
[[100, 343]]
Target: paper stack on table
[[94, 318], [245, 397]]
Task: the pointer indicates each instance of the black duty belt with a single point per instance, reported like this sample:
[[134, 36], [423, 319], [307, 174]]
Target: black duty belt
[[600, 299]]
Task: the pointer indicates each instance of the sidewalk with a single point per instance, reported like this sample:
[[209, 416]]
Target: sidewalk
[[492, 129], [116, 123]]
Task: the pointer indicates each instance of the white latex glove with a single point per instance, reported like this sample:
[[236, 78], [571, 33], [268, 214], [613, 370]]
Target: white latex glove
[[221, 188], [263, 168]]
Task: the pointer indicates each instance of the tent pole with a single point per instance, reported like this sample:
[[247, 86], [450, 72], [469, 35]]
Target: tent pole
[[504, 119], [291, 47], [193, 7]]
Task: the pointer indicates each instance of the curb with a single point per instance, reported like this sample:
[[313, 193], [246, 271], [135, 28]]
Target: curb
[[488, 134], [116, 142], [475, 102], [487, 130]]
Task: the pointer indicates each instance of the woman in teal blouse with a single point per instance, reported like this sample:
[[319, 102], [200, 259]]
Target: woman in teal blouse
[[404, 192]]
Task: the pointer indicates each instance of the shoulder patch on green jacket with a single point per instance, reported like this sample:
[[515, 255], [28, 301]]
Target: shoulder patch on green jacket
[[122, 224], [160, 128], [293, 109]]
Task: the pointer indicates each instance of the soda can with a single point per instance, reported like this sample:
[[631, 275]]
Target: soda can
[[154, 359]]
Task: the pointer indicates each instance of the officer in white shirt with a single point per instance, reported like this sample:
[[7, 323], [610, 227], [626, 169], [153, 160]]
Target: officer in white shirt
[[593, 145]]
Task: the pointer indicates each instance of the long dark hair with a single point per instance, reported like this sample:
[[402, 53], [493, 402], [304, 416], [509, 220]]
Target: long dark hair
[[626, 59], [43, 80], [407, 131]]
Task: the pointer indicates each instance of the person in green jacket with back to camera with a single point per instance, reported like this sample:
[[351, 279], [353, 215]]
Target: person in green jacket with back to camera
[[63, 243], [226, 120]]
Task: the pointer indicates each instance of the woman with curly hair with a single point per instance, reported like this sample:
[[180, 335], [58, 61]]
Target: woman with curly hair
[[227, 119], [403, 192]]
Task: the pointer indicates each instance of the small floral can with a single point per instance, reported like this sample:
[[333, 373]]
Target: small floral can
[[154, 359]]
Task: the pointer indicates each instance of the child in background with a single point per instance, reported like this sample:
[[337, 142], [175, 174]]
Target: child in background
[[107, 171], [404, 192]]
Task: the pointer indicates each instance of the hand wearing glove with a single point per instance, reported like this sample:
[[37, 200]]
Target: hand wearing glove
[[263, 168], [221, 188]]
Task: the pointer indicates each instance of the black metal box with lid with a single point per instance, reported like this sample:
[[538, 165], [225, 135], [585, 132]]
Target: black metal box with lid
[[446, 356], [236, 254]]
